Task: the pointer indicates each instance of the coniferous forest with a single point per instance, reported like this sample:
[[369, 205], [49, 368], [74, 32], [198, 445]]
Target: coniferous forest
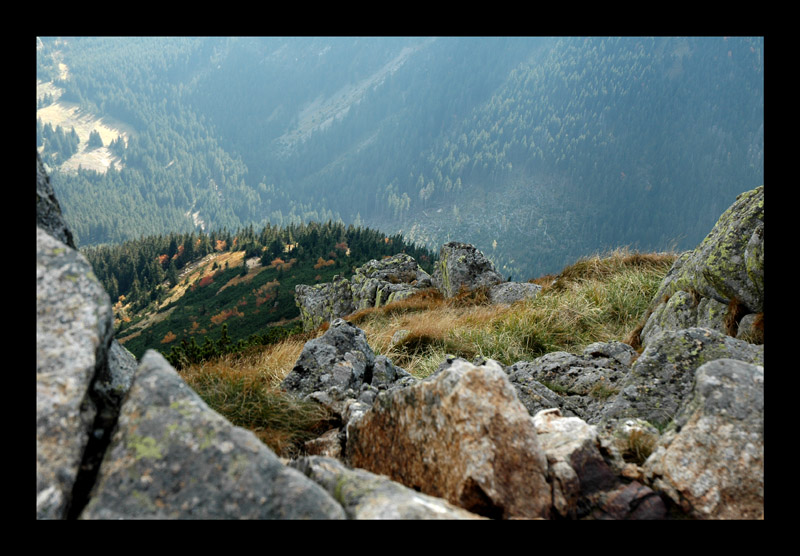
[[538, 150]]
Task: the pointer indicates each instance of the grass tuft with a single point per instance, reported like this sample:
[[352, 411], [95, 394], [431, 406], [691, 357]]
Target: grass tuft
[[245, 388]]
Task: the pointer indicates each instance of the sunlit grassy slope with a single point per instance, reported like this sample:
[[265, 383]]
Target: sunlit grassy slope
[[599, 298]]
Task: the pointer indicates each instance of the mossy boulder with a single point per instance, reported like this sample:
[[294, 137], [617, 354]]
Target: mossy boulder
[[721, 280], [662, 378], [323, 302]]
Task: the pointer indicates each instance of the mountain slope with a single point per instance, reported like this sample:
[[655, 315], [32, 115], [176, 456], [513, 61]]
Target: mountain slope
[[537, 150]]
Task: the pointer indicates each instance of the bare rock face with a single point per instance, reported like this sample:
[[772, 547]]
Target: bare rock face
[[711, 463], [461, 435], [462, 265], [172, 457], [74, 328]]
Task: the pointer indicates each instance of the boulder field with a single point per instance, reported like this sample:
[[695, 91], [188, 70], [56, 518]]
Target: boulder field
[[680, 433]]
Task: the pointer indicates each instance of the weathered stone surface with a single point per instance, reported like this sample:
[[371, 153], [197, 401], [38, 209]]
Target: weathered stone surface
[[462, 265], [340, 366], [511, 292], [661, 379], [576, 467], [727, 265], [74, 326], [328, 444], [632, 501], [172, 457], [685, 310], [711, 464], [382, 281], [374, 284], [580, 385], [323, 302], [365, 495], [461, 435], [48, 210]]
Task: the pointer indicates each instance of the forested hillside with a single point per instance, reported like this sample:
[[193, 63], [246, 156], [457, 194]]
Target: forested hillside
[[184, 289], [537, 150]]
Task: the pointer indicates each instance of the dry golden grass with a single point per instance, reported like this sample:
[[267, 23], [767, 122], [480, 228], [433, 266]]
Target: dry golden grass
[[597, 299], [245, 388]]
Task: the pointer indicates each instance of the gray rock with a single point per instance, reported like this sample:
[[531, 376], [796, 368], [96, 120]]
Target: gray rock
[[74, 327], [511, 292], [340, 366], [48, 210], [365, 495], [374, 284], [172, 457], [728, 265], [380, 282], [462, 265], [579, 385], [712, 464], [577, 469], [323, 302], [662, 378]]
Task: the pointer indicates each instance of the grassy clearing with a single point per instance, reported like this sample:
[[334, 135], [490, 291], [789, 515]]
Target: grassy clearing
[[599, 298]]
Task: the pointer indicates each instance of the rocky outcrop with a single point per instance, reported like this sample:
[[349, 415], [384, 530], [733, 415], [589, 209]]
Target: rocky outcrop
[[463, 266], [374, 284], [721, 281], [461, 435], [711, 463], [323, 302], [340, 368], [73, 335], [380, 282], [578, 385]]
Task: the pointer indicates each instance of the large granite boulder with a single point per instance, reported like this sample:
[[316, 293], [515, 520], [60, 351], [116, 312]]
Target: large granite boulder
[[711, 463], [172, 457], [461, 435], [462, 265], [74, 327], [721, 281], [662, 378]]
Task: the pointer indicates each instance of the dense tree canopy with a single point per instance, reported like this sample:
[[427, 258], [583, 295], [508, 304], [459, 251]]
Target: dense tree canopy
[[537, 150]]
